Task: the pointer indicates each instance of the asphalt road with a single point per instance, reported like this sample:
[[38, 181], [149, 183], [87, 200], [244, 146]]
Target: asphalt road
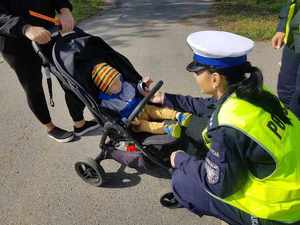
[[38, 185]]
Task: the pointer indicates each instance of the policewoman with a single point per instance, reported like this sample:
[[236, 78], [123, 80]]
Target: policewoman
[[288, 34], [251, 171]]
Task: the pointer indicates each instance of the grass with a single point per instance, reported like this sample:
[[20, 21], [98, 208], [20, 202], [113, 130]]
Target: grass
[[83, 9], [257, 21]]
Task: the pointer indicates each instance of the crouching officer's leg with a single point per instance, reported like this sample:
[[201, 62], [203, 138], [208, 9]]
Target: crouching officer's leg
[[191, 195]]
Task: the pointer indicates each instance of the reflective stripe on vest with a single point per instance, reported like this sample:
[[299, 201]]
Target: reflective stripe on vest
[[291, 13], [276, 197]]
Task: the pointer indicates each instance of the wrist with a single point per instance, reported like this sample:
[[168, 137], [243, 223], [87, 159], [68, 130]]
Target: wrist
[[178, 157], [140, 87], [65, 11], [162, 98], [25, 28]]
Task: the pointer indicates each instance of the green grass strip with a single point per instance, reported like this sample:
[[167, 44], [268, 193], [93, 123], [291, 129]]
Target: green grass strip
[[256, 19], [83, 9]]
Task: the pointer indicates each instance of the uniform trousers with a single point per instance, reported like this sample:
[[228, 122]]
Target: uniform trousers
[[189, 193], [288, 86]]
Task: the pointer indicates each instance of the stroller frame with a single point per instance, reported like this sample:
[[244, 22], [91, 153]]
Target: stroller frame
[[114, 131]]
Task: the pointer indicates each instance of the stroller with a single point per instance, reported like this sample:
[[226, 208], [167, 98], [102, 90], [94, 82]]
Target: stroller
[[143, 150]]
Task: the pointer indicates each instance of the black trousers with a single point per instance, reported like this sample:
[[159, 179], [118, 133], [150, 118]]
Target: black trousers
[[27, 66], [289, 80]]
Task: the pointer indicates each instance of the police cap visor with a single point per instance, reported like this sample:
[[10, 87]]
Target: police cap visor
[[195, 66]]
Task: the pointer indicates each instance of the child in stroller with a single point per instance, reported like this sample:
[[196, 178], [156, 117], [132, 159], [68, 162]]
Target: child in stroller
[[73, 57], [121, 96]]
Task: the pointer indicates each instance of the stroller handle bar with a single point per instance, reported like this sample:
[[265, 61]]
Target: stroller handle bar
[[54, 32], [144, 101]]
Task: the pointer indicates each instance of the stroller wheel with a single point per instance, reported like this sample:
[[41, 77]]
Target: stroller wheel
[[90, 172]]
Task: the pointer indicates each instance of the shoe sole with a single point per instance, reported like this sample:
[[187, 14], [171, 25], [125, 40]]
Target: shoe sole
[[87, 130], [65, 140]]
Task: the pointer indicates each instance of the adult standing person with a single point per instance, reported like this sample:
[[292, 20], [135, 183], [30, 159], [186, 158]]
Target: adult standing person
[[288, 34], [250, 173], [17, 30]]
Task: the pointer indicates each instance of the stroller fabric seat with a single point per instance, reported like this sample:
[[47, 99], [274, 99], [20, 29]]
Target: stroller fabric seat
[[77, 53]]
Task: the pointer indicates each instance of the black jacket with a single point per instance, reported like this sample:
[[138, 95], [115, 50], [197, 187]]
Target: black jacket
[[14, 15]]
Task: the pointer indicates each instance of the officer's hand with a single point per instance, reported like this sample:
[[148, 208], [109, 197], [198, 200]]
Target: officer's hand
[[158, 98], [38, 34], [67, 20], [278, 40], [173, 156]]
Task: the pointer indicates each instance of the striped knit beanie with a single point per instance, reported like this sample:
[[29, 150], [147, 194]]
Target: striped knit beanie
[[103, 75]]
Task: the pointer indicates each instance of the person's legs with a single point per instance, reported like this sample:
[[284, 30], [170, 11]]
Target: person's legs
[[159, 113], [75, 105], [30, 77], [295, 100], [76, 108], [148, 127], [173, 129], [190, 195], [146, 121], [287, 75], [188, 192], [162, 113]]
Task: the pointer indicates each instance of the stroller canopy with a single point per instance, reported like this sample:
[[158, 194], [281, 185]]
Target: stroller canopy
[[78, 52]]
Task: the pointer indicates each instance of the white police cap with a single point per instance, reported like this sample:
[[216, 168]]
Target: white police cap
[[218, 50]]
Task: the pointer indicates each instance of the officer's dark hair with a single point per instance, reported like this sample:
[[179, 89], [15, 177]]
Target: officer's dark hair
[[247, 82]]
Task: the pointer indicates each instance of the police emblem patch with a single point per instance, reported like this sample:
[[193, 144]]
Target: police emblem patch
[[213, 171]]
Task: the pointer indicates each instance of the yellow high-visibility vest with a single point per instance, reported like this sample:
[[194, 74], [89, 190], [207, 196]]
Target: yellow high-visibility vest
[[276, 197], [292, 11]]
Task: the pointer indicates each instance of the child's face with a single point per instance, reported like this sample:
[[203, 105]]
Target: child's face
[[115, 87]]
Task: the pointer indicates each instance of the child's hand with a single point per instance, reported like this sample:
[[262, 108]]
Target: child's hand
[[144, 86], [147, 81], [158, 98], [135, 122], [136, 125]]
